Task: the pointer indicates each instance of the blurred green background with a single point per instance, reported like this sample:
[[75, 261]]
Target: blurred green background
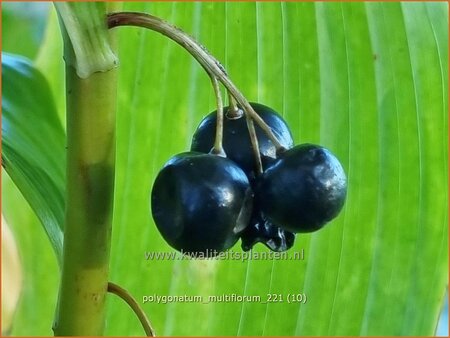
[[367, 80]]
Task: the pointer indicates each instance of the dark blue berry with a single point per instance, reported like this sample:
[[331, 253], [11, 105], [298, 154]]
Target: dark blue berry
[[236, 139], [201, 203], [238, 147], [303, 190]]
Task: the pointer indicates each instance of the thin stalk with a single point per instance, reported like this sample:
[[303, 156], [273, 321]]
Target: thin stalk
[[134, 305], [255, 145], [233, 110], [209, 63], [218, 148]]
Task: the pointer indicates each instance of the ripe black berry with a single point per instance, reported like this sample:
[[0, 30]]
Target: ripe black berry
[[236, 139], [238, 147], [304, 189], [201, 202]]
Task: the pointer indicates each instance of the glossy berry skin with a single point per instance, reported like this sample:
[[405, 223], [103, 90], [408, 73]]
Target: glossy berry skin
[[201, 203], [238, 147], [236, 139], [304, 189], [261, 230]]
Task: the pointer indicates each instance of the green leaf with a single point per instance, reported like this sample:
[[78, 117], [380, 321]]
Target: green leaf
[[368, 81], [23, 21], [33, 143]]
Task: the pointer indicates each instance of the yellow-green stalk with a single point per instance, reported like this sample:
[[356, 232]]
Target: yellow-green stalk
[[91, 85]]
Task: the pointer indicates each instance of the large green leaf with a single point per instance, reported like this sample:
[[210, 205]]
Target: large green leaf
[[368, 81], [33, 143], [33, 156]]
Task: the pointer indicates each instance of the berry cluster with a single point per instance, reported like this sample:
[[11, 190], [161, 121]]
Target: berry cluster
[[202, 202]]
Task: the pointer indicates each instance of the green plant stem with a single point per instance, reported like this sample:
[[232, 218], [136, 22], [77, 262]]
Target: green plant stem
[[91, 92], [91, 106], [134, 305]]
